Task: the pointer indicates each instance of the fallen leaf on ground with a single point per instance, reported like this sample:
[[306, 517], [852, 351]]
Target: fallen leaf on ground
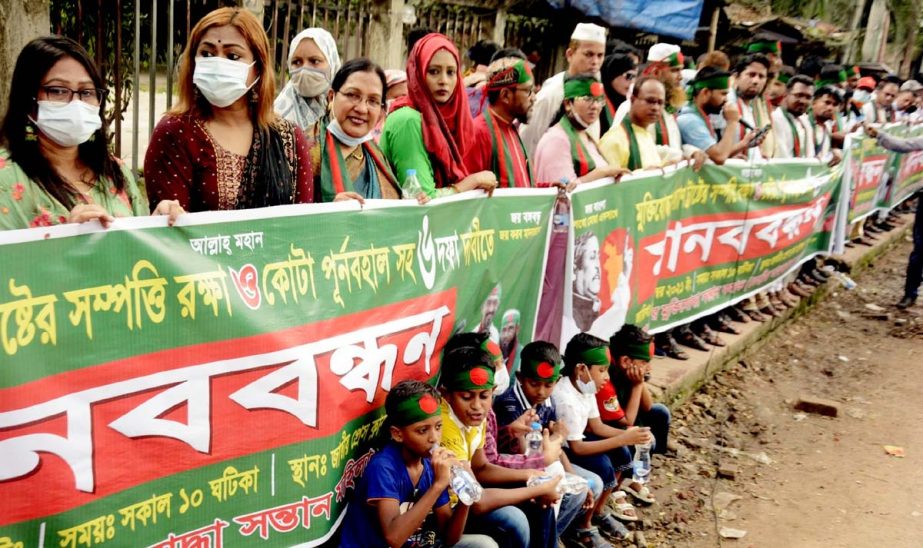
[[894, 451]]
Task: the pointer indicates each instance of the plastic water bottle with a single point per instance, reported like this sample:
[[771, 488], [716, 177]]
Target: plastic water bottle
[[571, 484], [463, 483], [411, 187], [641, 466], [534, 440], [466, 488], [845, 280]]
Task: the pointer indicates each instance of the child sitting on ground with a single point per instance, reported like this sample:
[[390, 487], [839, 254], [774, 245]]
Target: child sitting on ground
[[401, 499], [625, 401], [591, 444], [539, 370], [466, 383]]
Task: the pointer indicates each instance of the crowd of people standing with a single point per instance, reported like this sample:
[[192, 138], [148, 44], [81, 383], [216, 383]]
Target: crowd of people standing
[[349, 130]]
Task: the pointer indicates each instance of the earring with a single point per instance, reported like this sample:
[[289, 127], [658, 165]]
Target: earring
[[254, 96], [30, 133]]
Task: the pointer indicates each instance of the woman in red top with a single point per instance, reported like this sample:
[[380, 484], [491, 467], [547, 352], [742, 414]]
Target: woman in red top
[[222, 146]]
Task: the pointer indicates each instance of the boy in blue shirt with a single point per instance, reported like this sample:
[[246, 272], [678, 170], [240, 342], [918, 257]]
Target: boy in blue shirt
[[402, 498], [529, 397]]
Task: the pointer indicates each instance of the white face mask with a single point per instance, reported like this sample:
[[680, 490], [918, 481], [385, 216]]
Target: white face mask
[[310, 82], [222, 81], [861, 96], [68, 124], [336, 129], [588, 388]]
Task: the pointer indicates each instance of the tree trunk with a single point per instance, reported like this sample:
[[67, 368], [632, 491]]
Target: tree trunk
[[20, 22], [875, 31]]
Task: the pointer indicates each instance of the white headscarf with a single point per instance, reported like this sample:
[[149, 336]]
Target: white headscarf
[[305, 111]]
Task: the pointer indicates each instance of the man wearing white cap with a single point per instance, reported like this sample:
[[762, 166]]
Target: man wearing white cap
[[585, 54], [665, 62]]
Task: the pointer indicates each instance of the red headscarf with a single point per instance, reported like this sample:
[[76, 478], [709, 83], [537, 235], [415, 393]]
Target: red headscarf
[[447, 128]]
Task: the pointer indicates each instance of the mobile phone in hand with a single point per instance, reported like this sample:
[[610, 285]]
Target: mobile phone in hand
[[758, 137]]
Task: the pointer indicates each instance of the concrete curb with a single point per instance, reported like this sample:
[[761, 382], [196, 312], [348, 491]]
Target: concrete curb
[[673, 381]]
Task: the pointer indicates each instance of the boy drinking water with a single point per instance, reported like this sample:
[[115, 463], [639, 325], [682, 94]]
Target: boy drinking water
[[591, 444], [401, 499], [529, 397]]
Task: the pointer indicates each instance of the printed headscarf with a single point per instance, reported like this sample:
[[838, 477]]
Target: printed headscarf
[[447, 128], [291, 105]]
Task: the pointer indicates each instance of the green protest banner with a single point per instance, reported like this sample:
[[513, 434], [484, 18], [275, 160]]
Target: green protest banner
[[220, 383], [663, 248], [906, 169], [866, 175]]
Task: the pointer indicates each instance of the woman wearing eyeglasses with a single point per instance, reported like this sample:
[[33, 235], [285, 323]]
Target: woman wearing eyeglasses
[[351, 162], [618, 73], [429, 130], [566, 153], [222, 146], [55, 166]]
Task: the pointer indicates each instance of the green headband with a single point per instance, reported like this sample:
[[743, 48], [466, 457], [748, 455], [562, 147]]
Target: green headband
[[765, 46], [783, 78], [599, 355], [414, 409], [493, 349], [636, 350], [714, 82], [540, 370], [479, 377], [842, 76], [582, 87], [513, 75]]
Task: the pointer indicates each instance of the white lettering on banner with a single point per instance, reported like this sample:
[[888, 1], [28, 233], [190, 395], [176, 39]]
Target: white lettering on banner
[[520, 217], [595, 207], [871, 170], [217, 245], [192, 385], [144, 420], [448, 252], [426, 253], [735, 233]]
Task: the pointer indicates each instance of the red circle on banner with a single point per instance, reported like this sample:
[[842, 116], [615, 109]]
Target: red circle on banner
[[428, 404], [478, 376], [545, 370]]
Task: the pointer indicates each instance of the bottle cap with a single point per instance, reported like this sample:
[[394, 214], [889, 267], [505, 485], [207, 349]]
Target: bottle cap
[[536, 426]]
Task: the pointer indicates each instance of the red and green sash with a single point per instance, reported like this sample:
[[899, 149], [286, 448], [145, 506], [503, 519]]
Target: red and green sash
[[634, 151], [334, 176], [608, 114], [796, 140], [503, 161], [583, 162], [707, 120], [662, 134]]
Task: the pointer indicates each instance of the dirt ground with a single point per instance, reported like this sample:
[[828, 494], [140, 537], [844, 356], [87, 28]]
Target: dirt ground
[[805, 480]]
